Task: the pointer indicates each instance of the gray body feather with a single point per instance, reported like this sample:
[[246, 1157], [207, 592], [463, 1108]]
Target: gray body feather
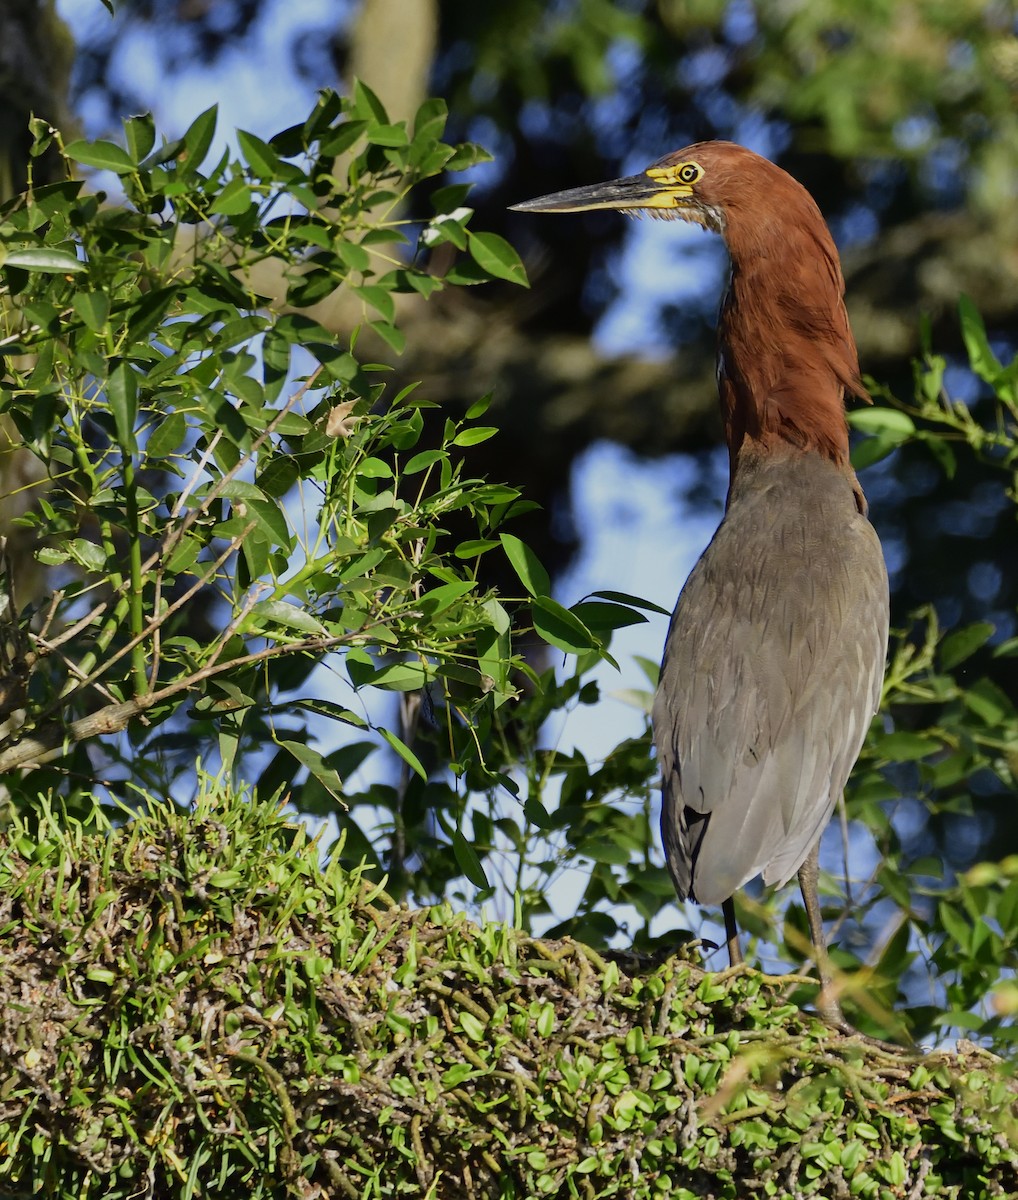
[[772, 671]]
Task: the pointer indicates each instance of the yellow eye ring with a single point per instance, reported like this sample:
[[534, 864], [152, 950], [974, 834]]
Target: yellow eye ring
[[689, 172]]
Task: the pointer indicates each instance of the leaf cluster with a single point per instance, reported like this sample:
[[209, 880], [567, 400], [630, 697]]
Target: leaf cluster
[[230, 1015]]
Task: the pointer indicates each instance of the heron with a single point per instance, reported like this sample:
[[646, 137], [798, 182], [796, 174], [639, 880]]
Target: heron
[[774, 657]]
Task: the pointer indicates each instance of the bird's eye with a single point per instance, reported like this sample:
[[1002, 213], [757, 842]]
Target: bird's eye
[[689, 172]]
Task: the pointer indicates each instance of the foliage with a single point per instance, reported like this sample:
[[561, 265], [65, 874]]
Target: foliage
[[952, 734], [152, 380], [194, 1004], [259, 554], [217, 528]]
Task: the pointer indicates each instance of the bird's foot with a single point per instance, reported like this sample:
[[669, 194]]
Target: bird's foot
[[829, 1010]]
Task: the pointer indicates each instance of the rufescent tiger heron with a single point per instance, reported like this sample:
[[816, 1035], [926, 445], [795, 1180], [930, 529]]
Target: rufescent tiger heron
[[775, 653]]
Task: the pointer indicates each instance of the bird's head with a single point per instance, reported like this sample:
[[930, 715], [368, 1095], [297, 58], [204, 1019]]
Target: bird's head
[[786, 354], [719, 185]]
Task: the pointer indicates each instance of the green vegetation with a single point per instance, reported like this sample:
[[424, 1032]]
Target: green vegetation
[[192, 1004], [260, 557]]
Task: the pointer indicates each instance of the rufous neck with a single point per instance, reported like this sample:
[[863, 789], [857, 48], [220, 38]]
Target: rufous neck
[[786, 354]]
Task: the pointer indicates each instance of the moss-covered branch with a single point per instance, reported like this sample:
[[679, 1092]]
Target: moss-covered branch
[[194, 1006]]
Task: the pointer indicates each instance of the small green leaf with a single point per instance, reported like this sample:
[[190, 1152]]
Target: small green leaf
[[423, 460], [981, 358], [632, 601], [122, 396], [526, 564], [887, 423], [604, 617], [104, 156], [989, 702], [406, 754], [46, 259], [374, 468], [282, 612], [474, 435], [316, 765], [963, 643], [394, 338], [479, 407], [903, 746], [468, 862], [403, 677], [496, 256], [387, 135], [871, 450], [196, 141], [379, 298], [234, 199], [560, 627], [430, 119], [367, 105], [470, 549], [86, 554], [93, 308], [260, 156], [140, 134], [167, 435]]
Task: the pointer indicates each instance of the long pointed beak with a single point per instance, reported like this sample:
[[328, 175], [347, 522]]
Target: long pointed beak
[[634, 191]]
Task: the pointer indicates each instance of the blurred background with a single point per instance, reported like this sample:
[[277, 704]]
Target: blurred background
[[900, 118]]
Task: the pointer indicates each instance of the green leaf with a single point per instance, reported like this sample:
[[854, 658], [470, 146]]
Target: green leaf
[[367, 105], [403, 677], [632, 601], [496, 256], [379, 298], [140, 135], [93, 308], [473, 547], [474, 435], [871, 450], [887, 423], [430, 119], [104, 156], [963, 643], [167, 435], [260, 156], [87, 554], [353, 255], [989, 702], [423, 460], [905, 747], [560, 627], [46, 259], [387, 135], [956, 924], [981, 358], [316, 765], [479, 407], [405, 753], [122, 396], [196, 141], [234, 199], [941, 449], [439, 599], [282, 612], [526, 564], [394, 338], [467, 860], [604, 617]]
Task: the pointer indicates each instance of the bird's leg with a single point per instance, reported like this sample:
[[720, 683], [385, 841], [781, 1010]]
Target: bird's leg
[[827, 1000], [731, 932]]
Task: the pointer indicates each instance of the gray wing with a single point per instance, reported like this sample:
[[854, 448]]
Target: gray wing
[[772, 672]]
